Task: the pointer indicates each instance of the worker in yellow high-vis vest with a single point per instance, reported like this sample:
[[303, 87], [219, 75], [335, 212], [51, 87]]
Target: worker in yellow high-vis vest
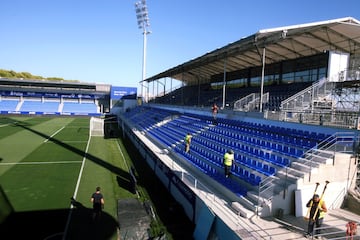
[[317, 212], [187, 141], [228, 162]]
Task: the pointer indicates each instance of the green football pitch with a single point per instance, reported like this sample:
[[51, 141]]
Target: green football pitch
[[44, 162]]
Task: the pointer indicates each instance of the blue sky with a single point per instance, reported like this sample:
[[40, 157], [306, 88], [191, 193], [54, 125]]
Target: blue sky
[[99, 41]]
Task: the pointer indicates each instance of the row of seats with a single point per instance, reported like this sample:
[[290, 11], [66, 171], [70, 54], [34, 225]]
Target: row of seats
[[252, 164], [259, 166], [246, 175], [265, 128], [204, 93], [40, 106], [48, 106], [191, 125], [8, 105], [245, 141], [258, 153], [242, 133], [243, 149], [146, 118], [240, 159], [200, 163], [160, 136], [169, 133], [229, 183], [84, 107]]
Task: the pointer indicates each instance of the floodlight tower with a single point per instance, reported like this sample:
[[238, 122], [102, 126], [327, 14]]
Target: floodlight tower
[[144, 24]]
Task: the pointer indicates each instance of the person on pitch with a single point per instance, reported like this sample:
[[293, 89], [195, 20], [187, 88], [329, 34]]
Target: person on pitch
[[98, 203], [317, 212]]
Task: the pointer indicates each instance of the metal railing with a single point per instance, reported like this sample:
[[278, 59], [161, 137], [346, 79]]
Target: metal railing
[[250, 102], [325, 103], [302, 100], [338, 200], [334, 232], [344, 142]]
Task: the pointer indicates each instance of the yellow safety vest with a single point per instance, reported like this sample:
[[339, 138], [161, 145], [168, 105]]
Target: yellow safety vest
[[187, 138], [228, 159], [322, 213]]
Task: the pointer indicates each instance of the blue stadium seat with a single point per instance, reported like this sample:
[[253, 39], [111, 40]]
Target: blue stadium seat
[[272, 171], [254, 180], [259, 166], [285, 162]]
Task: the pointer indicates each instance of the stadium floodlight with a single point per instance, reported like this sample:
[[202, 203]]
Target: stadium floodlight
[[142, 16]]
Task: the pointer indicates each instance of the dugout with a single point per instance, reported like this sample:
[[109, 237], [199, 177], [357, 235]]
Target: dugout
[[111, 129]]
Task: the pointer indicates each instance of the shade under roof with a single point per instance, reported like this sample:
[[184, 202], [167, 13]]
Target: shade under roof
[[283, 43]]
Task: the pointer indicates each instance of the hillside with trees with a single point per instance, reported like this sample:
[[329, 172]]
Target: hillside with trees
[[10, 74]]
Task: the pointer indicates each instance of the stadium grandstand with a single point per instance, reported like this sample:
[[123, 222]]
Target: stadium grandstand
[[49, 97], [41, 97], [289, 109]]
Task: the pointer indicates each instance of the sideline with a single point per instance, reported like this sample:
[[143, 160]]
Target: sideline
[[127, 166], [76, 189], [122, 155]]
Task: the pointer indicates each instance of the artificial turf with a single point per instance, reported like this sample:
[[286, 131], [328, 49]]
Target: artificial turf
[[45, 161]]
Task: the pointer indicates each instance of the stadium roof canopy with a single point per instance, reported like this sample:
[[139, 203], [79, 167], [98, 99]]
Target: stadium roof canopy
[[41, 83], [36, 84], [283, 43]]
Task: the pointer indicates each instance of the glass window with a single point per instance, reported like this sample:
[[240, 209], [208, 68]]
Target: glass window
[[288, 77], [302, 76], [306, 69], [322, 72], [255, 81], [313, 75]]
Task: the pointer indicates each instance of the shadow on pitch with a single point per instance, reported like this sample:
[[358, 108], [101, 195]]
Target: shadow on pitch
[[124, 178], [50, 224], [83, 226]]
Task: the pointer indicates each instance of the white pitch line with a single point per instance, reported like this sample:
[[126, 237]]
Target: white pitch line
[[54, 134], [75, 141], [81, 169], [39, 163], [127, 166], [122, 155], [76, 189], [70, 142], [8, 124]]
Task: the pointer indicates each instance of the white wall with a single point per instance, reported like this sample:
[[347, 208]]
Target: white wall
[[341, 175], [338, 62]]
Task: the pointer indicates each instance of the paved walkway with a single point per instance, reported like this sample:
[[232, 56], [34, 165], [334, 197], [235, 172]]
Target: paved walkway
[[287, 228], [134, 221], [291, 227]]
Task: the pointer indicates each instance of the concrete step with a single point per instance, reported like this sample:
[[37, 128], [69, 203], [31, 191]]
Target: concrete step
[[290, 174]]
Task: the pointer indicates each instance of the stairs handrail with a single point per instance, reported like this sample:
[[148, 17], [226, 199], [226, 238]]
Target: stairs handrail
[[318, 83], [331, 143], [248, 102]]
